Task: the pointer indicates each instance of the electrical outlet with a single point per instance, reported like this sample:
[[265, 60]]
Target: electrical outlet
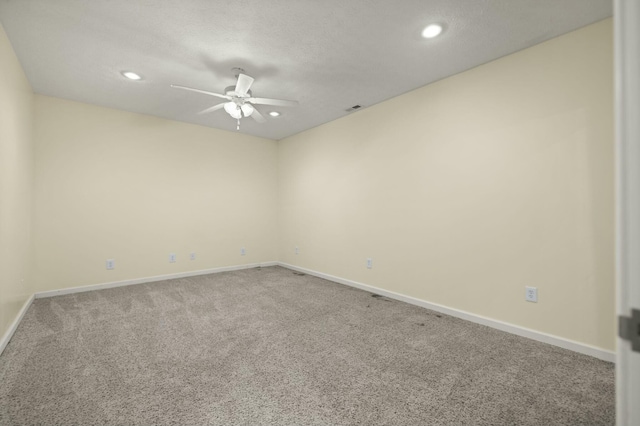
[[243, 251], [297, 250], [531, 294], [369, 263], [172, 258], [192, 256], [111, 264]]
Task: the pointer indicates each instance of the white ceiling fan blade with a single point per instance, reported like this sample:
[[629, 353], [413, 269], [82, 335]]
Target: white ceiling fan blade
[[243, 84], [213, 108], [276, 102], [257, 116], [191, 89]]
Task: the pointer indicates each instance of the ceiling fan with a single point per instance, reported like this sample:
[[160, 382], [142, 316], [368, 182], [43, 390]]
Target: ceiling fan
[[240, 101]]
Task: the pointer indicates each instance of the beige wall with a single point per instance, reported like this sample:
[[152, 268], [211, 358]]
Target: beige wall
[[462, 192], [113, 184], [16, 181], [467, 190]]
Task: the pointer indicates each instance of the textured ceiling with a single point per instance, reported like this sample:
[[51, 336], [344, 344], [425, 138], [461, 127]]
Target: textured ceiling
[[327, 54]]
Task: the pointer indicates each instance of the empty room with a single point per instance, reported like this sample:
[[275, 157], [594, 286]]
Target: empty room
[[318, 212]]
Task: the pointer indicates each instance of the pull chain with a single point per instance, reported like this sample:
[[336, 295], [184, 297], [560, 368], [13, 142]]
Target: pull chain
[[238, 126]]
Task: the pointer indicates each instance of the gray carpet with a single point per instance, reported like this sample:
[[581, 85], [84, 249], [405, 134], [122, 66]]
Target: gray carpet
[[268, 346]]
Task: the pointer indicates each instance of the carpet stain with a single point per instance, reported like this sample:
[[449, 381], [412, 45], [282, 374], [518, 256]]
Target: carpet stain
[[381, 297]]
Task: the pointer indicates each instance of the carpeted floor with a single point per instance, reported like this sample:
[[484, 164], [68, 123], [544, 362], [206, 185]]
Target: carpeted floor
[[269, 346]]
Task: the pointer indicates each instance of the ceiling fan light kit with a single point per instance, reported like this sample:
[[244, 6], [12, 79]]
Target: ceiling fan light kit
[[233, 110], [247, 109], [240, 101]]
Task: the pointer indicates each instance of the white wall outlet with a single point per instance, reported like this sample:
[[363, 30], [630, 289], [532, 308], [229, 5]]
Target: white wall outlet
[[172, 258], [243, 251], [531, 294], [369, 263], [111, 263], [297, 251], [192, 256]]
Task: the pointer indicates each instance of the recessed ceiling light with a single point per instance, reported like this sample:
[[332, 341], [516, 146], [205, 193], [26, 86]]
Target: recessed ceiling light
[[131, 75], [274, 114], [432, 31]]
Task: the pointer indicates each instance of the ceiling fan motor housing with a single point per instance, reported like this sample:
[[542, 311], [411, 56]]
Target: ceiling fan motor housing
[[231, 91]]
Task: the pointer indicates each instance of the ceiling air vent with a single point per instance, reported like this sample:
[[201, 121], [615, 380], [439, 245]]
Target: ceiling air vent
[[353, 108]]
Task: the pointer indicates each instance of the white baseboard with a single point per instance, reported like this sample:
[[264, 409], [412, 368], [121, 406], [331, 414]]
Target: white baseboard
[[70, 290], [14, 325], [572, 345], [599, 353]]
